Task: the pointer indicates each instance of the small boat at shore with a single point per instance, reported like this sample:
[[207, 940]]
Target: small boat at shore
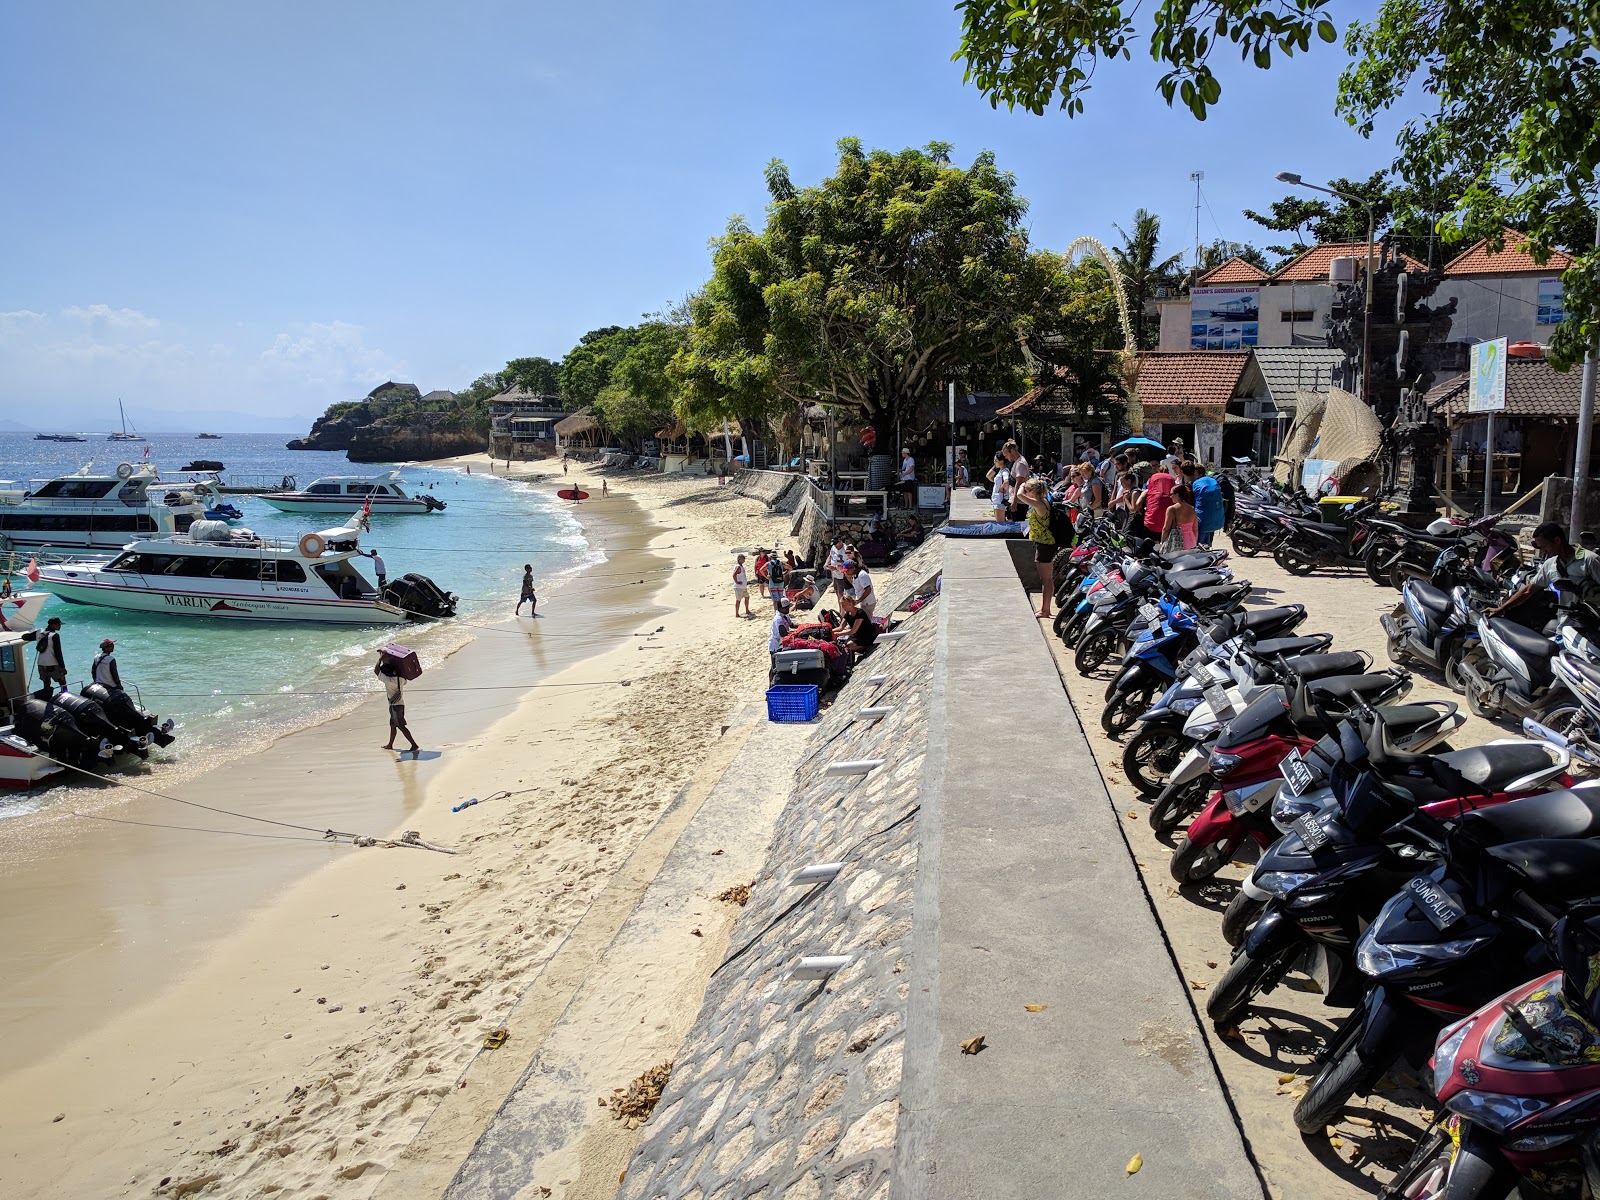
[[21, 763], [208, 437], [384, 493], [218, 571]]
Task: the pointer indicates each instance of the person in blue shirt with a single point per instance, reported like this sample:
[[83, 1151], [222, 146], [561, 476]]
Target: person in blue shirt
[[1207, 500]]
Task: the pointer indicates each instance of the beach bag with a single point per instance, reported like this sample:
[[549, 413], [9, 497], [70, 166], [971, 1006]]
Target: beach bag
[[1061, 526], [403, 659]]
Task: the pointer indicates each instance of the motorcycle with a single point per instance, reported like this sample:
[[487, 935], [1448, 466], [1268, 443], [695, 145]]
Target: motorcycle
[[1309, 544]]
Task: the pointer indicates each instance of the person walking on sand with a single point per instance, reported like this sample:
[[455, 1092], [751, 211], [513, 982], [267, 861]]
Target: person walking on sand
[[605, 489], [775, 575], [741, 589], [394, 688], [527, 597], [563, 462]]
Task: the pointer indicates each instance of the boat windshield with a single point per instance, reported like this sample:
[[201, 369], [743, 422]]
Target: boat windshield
[[77, 489]]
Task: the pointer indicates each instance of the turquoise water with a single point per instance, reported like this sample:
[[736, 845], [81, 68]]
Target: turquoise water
[[231, 685]]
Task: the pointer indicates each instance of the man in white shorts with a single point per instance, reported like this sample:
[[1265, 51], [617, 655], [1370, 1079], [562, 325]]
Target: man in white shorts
[[741, 589]]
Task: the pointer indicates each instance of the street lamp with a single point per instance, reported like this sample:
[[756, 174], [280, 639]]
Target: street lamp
[[1294, 180]]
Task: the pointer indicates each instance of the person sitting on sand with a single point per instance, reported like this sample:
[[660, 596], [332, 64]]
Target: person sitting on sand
[[528, 595], [394, 687]]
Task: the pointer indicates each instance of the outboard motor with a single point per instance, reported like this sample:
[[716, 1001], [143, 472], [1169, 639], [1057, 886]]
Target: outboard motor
[[125, 713], [433, 502], [420, 596], [51, 727], [91, 719]]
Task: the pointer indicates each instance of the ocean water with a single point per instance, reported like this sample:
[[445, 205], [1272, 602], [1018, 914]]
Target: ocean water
[[232, 685]]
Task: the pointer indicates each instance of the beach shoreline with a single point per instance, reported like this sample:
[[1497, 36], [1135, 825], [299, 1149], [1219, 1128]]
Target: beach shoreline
[[334, 982]]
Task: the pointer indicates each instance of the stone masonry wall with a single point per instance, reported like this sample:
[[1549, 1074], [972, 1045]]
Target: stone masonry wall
[[789, 1089]]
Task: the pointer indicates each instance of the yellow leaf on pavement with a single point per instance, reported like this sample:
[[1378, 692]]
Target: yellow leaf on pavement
[[972, 1045], [1035, 1007], [1135, 1163]]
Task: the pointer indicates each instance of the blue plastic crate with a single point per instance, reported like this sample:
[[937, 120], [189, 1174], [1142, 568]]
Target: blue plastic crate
[[792, 702]]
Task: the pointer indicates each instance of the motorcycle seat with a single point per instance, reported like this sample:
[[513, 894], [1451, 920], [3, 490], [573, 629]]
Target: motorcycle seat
[[1432, 598], [1344, 687], [1188, 560], [1555, 869], [1222, 595], [1320, 666], [1407, 718], [1492, 767], [1272, 647], [1281, 616], [1523, 640], [1188, 581], [1320, 526]]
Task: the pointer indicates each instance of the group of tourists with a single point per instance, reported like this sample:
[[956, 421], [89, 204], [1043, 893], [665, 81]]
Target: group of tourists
[[853, 626]]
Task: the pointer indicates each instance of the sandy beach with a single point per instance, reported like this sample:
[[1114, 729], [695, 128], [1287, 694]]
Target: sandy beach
[[193, 1013]]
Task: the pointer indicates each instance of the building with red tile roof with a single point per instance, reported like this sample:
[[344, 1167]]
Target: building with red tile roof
[[1235, 270], [1514, 258]]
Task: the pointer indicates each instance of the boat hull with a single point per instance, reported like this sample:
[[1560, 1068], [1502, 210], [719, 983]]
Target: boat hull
[[20, 613], [20, 767], [232, 606], [342, 505]]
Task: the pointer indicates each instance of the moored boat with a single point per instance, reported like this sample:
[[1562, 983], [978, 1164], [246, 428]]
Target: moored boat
[[94, 510], [21, 763], [385, 493], [221, 572]]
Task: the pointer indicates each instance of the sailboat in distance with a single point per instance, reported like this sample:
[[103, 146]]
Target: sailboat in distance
[[125, 435]]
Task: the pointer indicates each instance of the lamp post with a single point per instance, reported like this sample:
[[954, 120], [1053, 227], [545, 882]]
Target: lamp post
[[1294, 180]]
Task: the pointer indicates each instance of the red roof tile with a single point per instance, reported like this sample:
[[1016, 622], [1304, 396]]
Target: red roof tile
[[1533, 389], [1190, 380], [1312, 266], [1235, 270], [1512, 259]]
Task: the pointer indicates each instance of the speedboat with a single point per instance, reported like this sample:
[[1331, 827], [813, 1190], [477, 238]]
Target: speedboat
[[21, 763], [58, 437], [94, 511], [334, 493], [218, 571]]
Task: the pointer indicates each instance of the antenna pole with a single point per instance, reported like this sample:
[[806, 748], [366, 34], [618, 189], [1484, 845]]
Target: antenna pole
[[1196, 177]]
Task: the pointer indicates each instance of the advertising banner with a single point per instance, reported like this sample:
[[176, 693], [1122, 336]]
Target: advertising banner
[[1486, 389], [1224, 318], [1552, 306]]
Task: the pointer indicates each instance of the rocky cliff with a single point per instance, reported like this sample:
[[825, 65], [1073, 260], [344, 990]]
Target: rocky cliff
[[390, 424]]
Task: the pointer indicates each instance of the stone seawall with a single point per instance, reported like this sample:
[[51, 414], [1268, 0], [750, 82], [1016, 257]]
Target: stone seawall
[[790, 1088]]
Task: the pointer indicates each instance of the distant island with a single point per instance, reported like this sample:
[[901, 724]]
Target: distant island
[[396, 421]]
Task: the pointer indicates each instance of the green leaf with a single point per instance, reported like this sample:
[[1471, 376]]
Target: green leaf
[[1210, 89], [1326, 31]]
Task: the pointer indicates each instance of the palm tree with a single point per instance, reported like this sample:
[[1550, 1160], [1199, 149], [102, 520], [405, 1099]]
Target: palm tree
[[1141, 272]]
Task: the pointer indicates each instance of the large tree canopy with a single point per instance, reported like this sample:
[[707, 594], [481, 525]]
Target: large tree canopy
[[1513, 89], [897, 273]]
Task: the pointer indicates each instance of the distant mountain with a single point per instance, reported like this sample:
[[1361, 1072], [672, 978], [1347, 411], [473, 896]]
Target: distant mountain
[[15, 426]]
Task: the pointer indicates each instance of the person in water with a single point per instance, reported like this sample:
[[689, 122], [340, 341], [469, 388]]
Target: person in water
[[528, 597], [394, 687]]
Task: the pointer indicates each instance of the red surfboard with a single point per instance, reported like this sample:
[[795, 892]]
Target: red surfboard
[[572, 494]]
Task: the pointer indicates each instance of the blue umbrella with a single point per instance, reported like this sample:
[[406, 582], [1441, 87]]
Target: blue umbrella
[[1138, 441]]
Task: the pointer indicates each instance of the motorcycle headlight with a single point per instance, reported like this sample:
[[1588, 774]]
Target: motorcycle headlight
[[1378, 958], [1186, 706], [1286, 810], [1281, 883], [1220, 763], [1444, 1057], [1310, 899], [1493, 1111]]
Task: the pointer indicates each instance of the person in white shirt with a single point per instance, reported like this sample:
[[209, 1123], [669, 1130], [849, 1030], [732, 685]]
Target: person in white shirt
[[1000, 487], [866, 597], [50, 661], [782, 624], [378, 569], [104, 669], [1020, 471], [836, 564], [741, 589], [908, 476]]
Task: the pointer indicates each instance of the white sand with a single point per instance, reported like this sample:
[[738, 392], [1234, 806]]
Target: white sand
[[301, 1053]]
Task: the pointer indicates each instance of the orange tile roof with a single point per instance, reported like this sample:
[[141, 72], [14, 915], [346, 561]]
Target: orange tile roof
[[1512, 259], [1312, 266], [1189, 380], [1235, 270]]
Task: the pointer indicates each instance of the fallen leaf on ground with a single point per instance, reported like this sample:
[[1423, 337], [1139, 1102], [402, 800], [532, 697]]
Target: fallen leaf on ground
[[1336, 1143], [1289, 1078], [1135, 1163], [1230, 1034], [1359, 1121], [972, 1045], [1132, 815], [1212, 965], [1197, 985], [1035, 1007]]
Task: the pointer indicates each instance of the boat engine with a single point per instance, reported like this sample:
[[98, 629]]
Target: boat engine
[[433, 502], [128, 715], [50, 727], [420, 597], [92, 720]]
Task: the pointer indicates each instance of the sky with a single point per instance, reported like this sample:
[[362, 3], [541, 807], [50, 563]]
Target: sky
[[255, 210]]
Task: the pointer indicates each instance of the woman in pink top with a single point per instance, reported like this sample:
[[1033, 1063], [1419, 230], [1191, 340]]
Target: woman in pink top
[[1180, 529]]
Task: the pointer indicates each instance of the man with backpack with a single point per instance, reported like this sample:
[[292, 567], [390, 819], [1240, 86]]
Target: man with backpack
[[775, 575]]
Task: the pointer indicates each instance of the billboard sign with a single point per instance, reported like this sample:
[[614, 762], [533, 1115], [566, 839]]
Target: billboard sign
[[1224, 318], [1486, 378], [1552, 304]]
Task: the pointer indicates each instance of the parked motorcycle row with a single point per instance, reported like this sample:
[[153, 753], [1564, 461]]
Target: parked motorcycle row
[[1445, 901]]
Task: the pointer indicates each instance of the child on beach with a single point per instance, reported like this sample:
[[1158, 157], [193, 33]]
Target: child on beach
[[528, 596]]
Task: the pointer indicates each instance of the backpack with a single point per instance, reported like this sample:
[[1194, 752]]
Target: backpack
[[1061, 526], [1229, 496]]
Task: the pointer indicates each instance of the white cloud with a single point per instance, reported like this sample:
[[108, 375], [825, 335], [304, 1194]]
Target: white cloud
[[103, 316], [330, 354]]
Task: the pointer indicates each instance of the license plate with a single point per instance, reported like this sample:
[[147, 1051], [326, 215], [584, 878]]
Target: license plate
[[1151, 614], [1217, 697], [1311, 833], [1297, 775], [1441, 908]]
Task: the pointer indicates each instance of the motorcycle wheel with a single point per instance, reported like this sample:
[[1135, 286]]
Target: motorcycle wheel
[[1172, 807], [1293, 559], [1427, 1174], [1150, 755], [1122, 713], [1074, 627], [1245, 543], [1192, 863], [1245, 979], [1451, 670], [1396, 645], [1095, 651], [1343, 1075], [1062, 559], [1063, 615], [1240, 914], [1375, 570]]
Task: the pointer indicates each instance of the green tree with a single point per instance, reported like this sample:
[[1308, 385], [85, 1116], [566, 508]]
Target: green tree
[[1142, 268], [480, 389], [1081, 354], [1221, 250], [588, 366], [896, 274], [537, 375], [638, 397]]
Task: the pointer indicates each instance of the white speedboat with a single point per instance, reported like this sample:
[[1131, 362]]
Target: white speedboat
[[19, 612], [218, 571], [21, 763], [94, 510], [335, 493]]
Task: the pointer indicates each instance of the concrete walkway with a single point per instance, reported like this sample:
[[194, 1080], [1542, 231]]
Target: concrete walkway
[[1027, 895]]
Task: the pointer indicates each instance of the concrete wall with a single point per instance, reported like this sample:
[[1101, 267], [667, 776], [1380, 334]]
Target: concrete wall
[[1490, 307]]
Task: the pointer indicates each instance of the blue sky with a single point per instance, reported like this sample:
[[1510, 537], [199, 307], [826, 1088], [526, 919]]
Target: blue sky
[[265, 208]]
